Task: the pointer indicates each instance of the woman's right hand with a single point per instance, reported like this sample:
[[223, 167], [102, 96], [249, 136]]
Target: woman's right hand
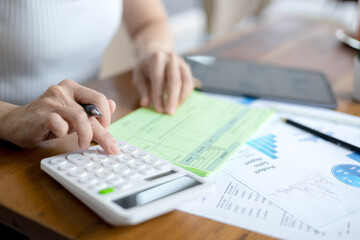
[[57, 113]]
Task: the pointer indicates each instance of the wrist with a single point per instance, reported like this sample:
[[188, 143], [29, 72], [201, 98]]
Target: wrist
[[5, 127], [155, 38], [150, 49]]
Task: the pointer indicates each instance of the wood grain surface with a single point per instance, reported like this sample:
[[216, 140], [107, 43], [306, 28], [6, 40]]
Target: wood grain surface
[[34, 204]]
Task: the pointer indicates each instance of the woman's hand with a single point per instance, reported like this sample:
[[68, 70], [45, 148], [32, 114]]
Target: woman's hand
[[164, 79], [57, 113], [160, 76]]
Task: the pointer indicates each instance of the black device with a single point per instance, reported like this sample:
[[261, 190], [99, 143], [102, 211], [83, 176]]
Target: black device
[[250, 79]]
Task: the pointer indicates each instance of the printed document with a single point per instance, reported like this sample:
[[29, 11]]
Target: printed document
[[315, 180], [235, 204], [202, 134]]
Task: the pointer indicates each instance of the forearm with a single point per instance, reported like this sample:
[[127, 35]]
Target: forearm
[[148, 27], [5, 109]]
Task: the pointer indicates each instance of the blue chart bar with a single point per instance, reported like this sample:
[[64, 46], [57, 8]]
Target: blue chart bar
[[354, 156], [266, 142], [265, 145], [270, 137]]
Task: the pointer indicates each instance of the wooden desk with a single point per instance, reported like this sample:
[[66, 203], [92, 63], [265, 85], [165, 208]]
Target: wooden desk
[[34, 204]]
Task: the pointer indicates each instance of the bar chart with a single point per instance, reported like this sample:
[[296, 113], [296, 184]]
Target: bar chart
[[265, 144]]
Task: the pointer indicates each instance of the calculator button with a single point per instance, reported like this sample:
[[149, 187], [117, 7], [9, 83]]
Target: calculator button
[[116, 156], [90, 153], [107, 191], [79, 159], [147, 170], [97, 185], [121, 169], [114, 181], [110, 163], [67, 167], [152, 160], [104, 174], [162, 166], [130, 150], [94, 168], [122, 144], [57, 161], [77, 173], [137, 165], [99, 158], [125, 159], [124, 185], [131, 175], [74, 156], [141, 155], [102, 152], [87, 179]]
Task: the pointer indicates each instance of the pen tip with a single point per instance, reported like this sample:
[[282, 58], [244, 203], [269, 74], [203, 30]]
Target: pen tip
[[96, 112]]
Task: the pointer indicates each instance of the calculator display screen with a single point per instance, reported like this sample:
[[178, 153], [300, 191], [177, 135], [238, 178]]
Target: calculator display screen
[[157, 192]]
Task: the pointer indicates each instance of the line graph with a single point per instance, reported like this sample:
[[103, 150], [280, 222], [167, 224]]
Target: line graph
[[312, 185]]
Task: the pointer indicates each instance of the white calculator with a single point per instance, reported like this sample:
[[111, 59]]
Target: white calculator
[[127, 188]]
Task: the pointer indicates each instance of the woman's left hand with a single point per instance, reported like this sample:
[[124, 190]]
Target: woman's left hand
[[164, 79]]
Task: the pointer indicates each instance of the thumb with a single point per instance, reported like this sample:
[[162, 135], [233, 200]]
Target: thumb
[[112, 106]]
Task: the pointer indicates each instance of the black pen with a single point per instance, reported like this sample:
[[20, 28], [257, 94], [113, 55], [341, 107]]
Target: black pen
[[323, 136], [92, 110]]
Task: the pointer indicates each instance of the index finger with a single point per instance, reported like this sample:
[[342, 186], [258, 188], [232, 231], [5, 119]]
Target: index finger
[[173, 84], [104, 138], [156, 75]]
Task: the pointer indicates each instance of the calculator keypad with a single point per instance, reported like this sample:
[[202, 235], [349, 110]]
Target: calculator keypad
[[67, 167], [104, 173]]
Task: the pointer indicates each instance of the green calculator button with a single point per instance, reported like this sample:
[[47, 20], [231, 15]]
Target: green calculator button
[[106, 190]]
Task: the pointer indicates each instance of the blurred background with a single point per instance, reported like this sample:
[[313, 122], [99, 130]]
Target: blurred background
[[195, 22]]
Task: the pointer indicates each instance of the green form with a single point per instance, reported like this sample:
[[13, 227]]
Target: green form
[[199, 137]]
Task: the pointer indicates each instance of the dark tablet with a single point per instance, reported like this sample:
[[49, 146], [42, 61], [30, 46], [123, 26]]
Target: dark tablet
[[242, 78]]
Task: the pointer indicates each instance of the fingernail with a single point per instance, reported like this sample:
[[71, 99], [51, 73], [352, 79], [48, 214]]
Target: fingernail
[[114, 148], [159, 109], [143, 102], [171, 111]]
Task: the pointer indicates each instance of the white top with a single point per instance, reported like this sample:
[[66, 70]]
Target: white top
[[45, 41]]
